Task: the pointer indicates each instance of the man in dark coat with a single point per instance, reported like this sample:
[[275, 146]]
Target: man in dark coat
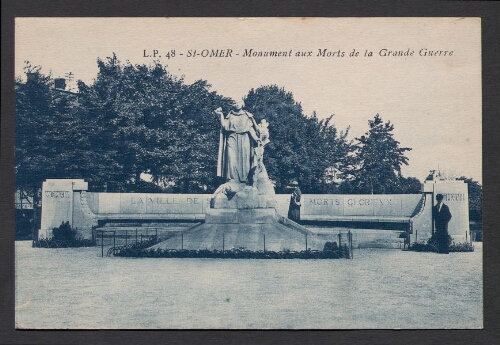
[[294, 207], [441, 215]]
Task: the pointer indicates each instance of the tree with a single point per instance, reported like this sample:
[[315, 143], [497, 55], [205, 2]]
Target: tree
[[136, 119], [475, 192], [33, 112], [409, 185], [301, 147], [54, 136], [152, 122], [376, 166], [45, 131], [46, 134]]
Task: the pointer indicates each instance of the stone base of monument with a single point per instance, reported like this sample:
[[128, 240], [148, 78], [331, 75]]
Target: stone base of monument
[[252, 229]]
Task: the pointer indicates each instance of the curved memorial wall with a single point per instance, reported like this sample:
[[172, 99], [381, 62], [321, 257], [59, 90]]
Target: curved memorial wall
[[67, 200]]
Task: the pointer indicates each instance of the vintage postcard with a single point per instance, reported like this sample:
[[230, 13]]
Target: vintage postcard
[[248, 173]]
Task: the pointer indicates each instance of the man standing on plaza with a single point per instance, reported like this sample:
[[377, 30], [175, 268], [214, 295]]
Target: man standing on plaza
[[441, 215]]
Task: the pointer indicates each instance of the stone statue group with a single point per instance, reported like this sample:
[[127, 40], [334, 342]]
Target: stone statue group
[[240, 161]]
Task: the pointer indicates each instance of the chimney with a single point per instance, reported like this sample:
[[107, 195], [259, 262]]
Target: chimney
[[30, 76], [60, 83]]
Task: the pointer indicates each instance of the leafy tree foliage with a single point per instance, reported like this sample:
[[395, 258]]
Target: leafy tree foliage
[[301, 147], [475, 191], [54, 137], [33, 109], [132, 119], [137, 119], [376, 166], [45, 131], [153, 122], [409, 185]]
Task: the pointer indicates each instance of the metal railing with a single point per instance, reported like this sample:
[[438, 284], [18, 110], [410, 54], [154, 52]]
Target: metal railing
[[118, 240], [131, 237]]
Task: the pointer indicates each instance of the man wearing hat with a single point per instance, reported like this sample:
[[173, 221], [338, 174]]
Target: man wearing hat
[[441, 214], [294, 208]]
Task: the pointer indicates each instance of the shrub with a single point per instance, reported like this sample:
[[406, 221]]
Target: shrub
[[331, 246], [64, 232], [235, 253], [432, 246], [52, 243]]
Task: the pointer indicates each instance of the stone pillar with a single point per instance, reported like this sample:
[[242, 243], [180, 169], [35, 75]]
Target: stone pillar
[[456, 196], [58, 204]]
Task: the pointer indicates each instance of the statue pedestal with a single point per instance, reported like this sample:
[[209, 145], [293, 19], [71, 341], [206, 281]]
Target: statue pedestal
[[247, 197], [244, 216], [241, 216], [256, 229]]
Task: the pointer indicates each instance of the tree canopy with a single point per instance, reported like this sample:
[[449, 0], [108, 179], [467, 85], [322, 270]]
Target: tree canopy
[[49, 143], [136, 119], [375, 167], [475, 192], [301, 147], [152, 122]]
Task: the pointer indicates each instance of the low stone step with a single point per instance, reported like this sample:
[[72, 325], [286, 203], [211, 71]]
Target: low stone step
[[147, 224]]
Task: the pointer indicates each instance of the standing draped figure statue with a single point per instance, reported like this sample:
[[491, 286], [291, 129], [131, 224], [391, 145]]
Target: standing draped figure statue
[[239, 136], [240, 161]]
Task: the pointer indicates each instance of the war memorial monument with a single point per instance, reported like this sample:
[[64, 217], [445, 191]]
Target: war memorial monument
[[150, 155], [244, 212]]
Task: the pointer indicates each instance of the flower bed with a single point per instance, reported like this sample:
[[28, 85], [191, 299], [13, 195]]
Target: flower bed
[[235, 253], [64, 237], [432, 246], [54, 243]]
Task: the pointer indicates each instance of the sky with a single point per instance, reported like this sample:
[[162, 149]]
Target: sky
[[434, 102]]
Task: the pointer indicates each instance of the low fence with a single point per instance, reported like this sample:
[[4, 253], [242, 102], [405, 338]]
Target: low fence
[[117, 241], [114, 238]]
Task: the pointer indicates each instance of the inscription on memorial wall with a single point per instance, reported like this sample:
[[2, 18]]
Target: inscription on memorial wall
[[312, 204], [325, 202], [58, 194], [369, 202], [454, 197], [179, 203], [165, 201], [359, 205]]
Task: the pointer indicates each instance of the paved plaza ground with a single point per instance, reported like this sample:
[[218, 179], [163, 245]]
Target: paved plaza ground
[[379, 288]]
